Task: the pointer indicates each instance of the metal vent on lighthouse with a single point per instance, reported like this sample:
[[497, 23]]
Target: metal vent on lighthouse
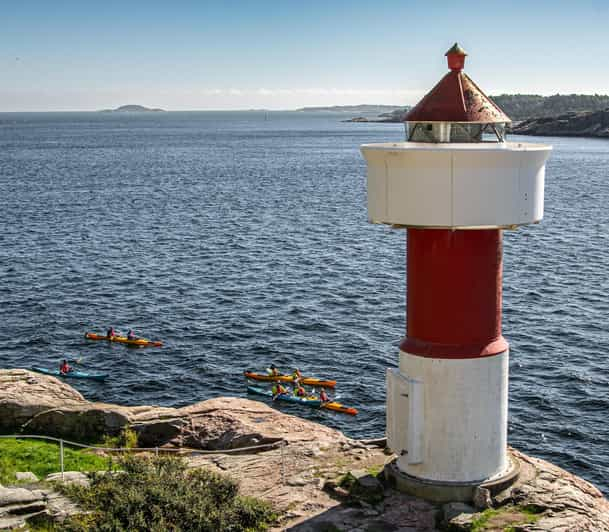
[[456, 109]]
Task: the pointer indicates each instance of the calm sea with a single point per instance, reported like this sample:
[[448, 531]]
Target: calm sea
[[240, 239]]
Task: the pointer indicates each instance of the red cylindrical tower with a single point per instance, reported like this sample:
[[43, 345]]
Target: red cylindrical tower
[[453, 293]]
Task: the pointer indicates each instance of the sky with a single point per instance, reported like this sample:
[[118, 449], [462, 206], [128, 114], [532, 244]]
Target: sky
[[285, 54]]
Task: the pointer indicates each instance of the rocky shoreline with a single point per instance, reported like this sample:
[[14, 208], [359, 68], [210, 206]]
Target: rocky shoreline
[[577, 124], [302, 471]]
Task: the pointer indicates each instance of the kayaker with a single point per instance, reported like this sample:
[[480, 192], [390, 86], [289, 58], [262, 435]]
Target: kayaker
[[277, 390], [272, 371], [299, 391], [111, 333], [323, 396], [131, 335], [296, 376], [64, 367]]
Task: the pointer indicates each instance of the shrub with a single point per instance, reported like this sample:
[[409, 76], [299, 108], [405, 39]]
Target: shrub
[[127, 438], [159, 494]]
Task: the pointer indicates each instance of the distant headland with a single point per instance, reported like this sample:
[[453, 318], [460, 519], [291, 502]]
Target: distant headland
[[363, 108], [132, 109], [571, 115]]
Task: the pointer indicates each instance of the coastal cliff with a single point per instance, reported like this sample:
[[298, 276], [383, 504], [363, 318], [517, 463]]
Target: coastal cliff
[[304, 477]]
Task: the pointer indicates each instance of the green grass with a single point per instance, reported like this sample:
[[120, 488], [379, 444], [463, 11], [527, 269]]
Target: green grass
[[481, 522], [505, 518], [42, 457], [375, 470]]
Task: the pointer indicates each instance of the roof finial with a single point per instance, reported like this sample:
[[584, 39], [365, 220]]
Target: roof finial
[[456, 57]]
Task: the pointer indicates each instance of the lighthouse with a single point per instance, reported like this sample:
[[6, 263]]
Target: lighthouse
[[454, 185]]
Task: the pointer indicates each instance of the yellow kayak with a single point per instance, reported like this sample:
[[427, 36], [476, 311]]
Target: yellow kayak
[[141, 342], [309, 381], [338, 407]]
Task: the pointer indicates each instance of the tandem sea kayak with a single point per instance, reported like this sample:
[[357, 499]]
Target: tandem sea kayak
[[309, 381], [74, 374], [315, 403], [140, 342]]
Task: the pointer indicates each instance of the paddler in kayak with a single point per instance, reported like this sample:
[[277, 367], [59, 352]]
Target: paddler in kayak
[[296, 376], [323, 396], [64, 367], [272, 371], [111, 333], [278, 390], [131, 335], [299, 391]]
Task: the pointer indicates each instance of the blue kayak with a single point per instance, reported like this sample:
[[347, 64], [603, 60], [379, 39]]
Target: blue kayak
[[315, 403], [74, 374]]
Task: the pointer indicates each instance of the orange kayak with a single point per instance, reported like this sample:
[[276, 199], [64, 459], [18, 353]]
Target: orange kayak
[[141, 342], [309, 381], [337, 407]]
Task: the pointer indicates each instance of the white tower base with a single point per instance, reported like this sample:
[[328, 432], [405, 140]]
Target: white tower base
[[447, 418]]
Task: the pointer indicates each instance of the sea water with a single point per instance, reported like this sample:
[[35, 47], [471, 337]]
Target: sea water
[[241, 239]]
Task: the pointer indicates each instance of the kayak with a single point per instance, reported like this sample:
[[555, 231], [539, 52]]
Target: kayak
[[141, 342], [338, 407], [74, 374], [309, 381], [309, 401]]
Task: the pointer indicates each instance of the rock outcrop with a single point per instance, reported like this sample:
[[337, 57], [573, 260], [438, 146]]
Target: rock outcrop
[[40, 404], [19, 504], [576, 124]]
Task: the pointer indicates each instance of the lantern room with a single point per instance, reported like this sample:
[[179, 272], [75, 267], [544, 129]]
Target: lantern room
[[456, 109]]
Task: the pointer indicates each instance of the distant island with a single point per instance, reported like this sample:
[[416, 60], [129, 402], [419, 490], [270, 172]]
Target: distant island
[[132, 109], [368, 109]]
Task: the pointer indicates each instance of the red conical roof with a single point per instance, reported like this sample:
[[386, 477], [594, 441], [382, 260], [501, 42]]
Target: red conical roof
[[456, 98]]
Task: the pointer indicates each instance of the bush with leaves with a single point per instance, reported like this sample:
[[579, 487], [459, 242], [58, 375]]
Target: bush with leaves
[[161, 494]]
